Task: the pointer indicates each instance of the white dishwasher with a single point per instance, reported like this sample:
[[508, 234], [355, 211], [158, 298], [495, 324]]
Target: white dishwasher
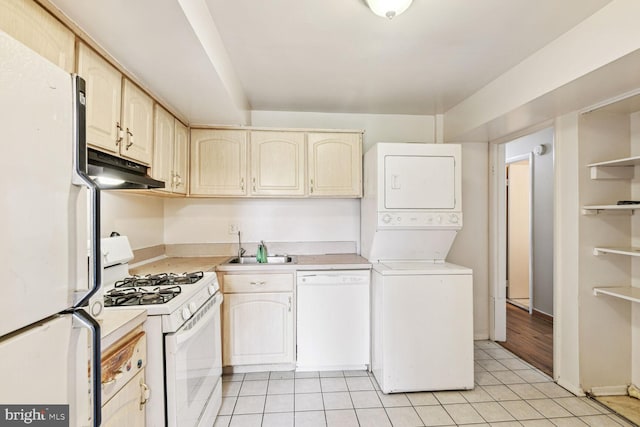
[[333, 320]]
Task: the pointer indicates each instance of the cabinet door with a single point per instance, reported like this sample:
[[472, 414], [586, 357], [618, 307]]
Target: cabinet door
[[31, 25], [335, 164], [137, 120], [104, 91], [258, 328], [181, 158], [125, 409], [218, 162], [277, 163], [163, 155]]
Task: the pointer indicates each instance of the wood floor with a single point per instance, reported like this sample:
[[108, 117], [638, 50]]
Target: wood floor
[[530, 338]]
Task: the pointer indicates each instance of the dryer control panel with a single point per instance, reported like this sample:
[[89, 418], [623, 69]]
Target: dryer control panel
[[423, 220]]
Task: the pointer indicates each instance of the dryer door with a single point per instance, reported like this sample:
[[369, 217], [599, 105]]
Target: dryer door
[[419, 182]]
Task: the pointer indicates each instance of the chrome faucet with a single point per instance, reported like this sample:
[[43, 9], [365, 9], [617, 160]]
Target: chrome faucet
[[241, 250]]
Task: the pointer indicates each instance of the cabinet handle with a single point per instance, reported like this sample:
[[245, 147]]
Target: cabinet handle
[[130, 138], [254, 184], [178, 180], [144, 394], [261, 283], [242, 184], [311, 187], [289, 304], [119, 133]]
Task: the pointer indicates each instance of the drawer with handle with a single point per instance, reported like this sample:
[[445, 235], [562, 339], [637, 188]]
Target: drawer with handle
[[250, 283]]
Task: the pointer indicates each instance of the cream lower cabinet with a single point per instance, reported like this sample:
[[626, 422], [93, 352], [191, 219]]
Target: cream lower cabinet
[[258, 319], [126, 408], [170, 161], [335, 164], [33, 26]]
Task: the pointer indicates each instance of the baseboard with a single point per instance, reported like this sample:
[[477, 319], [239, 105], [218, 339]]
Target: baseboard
[[612, 390], [570, 387], [542, 315]]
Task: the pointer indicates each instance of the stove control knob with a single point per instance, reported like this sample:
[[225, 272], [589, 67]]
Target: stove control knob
[[212, 289], [453, 219], [186, 314], [193, 307], [386, 218]]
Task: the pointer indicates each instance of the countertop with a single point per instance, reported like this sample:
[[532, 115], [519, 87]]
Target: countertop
[[305, 262], [116, 324]]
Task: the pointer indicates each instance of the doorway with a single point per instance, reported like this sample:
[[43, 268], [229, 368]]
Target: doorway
[[522, 247], [519, 241]]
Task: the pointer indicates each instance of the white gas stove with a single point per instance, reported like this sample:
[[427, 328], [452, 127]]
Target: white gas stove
[[175, 297], [184, 367]]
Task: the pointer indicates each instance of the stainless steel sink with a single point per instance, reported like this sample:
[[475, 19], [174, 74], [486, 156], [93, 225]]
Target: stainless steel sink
[[275, 259]]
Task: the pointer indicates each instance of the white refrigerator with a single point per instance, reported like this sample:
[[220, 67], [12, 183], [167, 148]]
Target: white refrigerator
[[49, 228]]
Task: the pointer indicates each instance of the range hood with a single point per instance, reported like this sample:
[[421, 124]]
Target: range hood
[[114, 173]]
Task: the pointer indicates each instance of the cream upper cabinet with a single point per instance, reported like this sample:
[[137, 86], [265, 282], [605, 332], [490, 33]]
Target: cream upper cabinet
[[119, 113], [104, 94], [27, 22], [335, 164], [181, 158], [218, 162], [277, 163], [137, 122], [170, 160], [163, 151]]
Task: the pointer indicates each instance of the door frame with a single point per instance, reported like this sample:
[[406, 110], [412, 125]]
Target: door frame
[[498, 239]]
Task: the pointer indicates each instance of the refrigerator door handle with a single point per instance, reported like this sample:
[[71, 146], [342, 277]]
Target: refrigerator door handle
[[82, 178], [89, 322]]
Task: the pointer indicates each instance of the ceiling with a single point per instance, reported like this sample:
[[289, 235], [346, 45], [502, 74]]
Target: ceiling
[[320, 55]]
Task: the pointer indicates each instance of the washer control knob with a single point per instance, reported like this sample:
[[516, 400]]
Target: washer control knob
[[386, 218], [212, 289], [186, 314], [193, 307]]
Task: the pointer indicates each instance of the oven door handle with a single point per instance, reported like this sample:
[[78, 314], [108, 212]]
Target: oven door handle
[[182, 335]]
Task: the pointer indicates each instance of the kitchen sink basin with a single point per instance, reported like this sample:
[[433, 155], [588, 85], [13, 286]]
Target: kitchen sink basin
[[275, 259]]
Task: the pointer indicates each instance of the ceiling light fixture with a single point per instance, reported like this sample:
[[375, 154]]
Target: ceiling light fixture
[[388, 8]]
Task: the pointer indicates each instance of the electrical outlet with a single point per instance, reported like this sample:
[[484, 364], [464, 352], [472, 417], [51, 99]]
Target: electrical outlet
[[233, 228]]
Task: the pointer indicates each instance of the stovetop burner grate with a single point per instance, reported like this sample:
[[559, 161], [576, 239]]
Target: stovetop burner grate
[[125, 296], [162, 279]]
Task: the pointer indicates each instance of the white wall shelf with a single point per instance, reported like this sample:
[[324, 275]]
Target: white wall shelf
[[614, 169], [627, 293], [631, 251], [596, 209]]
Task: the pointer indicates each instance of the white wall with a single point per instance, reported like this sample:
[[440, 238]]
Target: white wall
[[139, 217], [271, 220], [566, 348], [471, 247], [542, 214], [377, 127]]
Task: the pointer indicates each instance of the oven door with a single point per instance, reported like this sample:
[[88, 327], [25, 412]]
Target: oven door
[[193, 367]]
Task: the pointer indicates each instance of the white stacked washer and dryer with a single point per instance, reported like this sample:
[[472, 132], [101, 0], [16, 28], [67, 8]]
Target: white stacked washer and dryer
[[421, 305]]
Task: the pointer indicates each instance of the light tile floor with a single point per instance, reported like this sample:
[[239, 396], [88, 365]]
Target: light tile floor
[[508, 392]]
